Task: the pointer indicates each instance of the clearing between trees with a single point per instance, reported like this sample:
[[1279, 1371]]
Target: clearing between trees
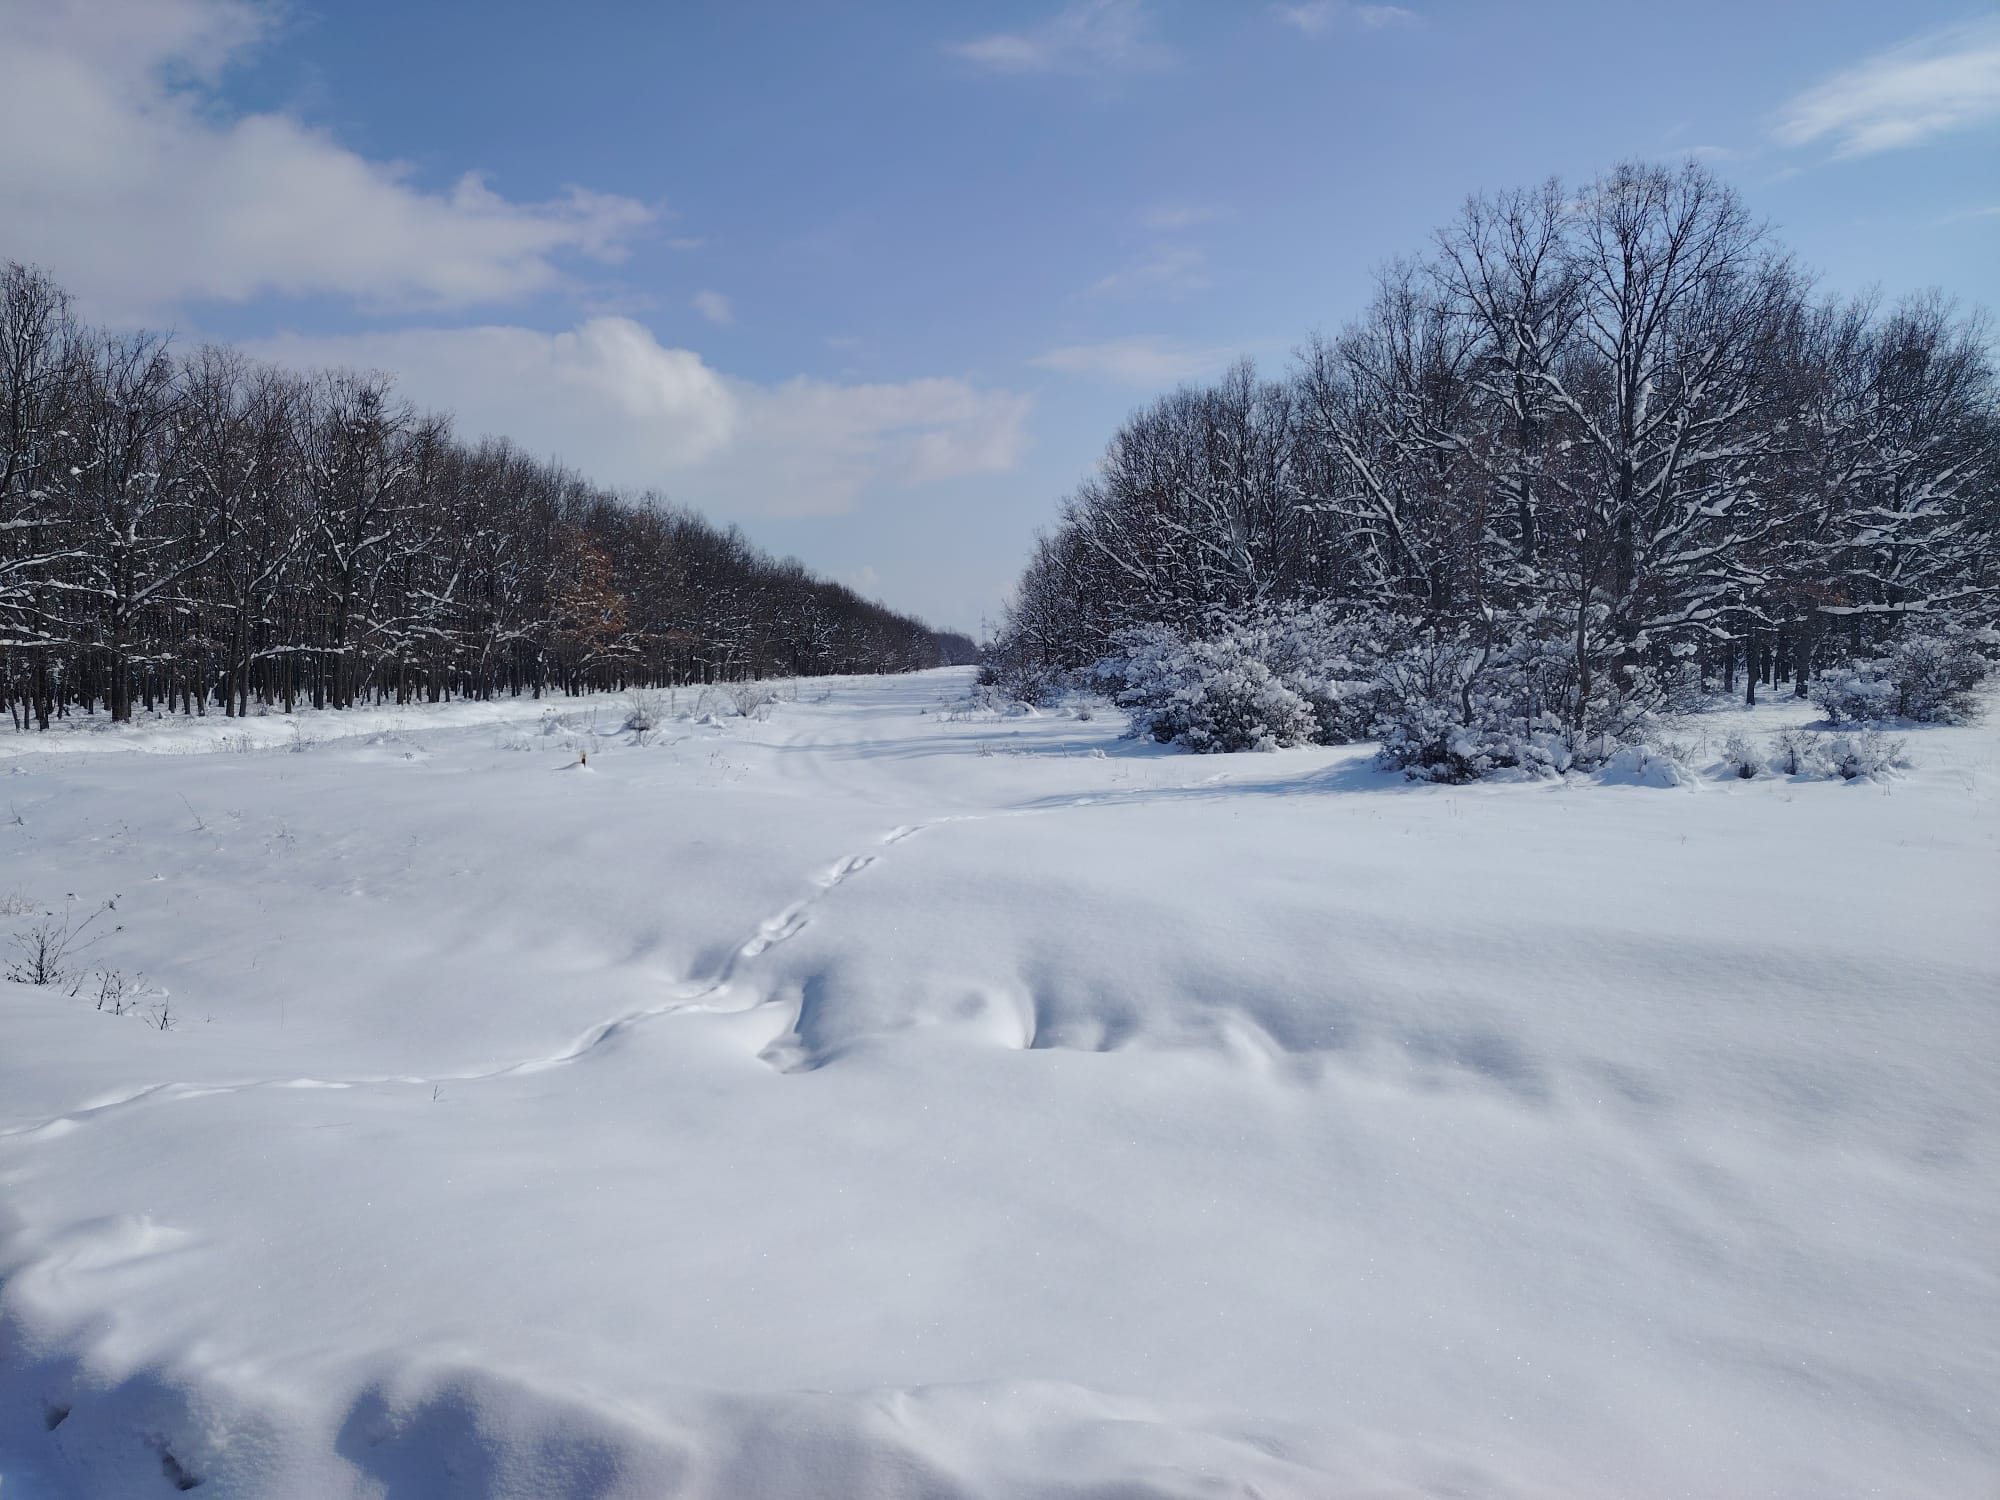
[[864, 1092]]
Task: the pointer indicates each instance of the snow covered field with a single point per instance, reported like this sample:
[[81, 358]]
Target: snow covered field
[[872, 1102]]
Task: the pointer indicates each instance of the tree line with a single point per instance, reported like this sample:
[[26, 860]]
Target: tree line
[[195, 530], [1611, 433]]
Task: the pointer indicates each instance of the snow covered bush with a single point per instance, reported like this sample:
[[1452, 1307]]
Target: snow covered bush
[[1460, 708], [647, 713], [1931, 677], [1208, 695], [1429, 743], [1433, 727], [1035, 684], [1794, 752], [1866, 756], [1854, 694], [987, 701], [1280, 675], [1014, 666], [1863, 756], [1641, 764], [1937, 675], [1329, 659], [1742, 759], [752, 700]]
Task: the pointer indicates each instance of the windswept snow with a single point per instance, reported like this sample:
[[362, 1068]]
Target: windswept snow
[[875, 1101]]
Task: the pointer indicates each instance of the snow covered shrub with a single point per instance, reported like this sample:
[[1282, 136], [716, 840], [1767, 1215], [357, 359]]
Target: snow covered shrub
[[1854, 694], [1431, 729], [752, 700], [1937, 676], [1013, 667], [985, 700], [1642, 764], [1931, 677], [1331, 660], [1742, 759], [1460, 708], [1033, 684], [1863, 756], [1283, 674], [647, 713], [1795, 752], [1429, 743], [1208, 695], [1866, 756]]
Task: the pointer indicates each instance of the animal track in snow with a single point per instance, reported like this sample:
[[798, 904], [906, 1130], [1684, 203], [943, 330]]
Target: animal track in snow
[[689, 996], [786, 924], [854, 864]]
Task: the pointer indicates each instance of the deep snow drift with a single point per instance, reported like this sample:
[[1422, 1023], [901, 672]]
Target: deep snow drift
[[875, 1102]]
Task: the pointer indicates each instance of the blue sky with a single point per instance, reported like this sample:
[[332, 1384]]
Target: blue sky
[[877, 281]]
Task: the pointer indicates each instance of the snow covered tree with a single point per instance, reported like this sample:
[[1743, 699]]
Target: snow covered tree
[[208, 530], [38, 339], [1597, 448]]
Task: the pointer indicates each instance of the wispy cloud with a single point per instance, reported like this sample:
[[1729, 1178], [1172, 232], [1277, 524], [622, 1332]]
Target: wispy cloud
[[1171, 271], [1178, 215], [1143, 361], [1318, 17], [1932, 85], [713, 306], [1087, 36]]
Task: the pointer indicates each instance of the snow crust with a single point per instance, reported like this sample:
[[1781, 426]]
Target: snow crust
[[879, 1101]]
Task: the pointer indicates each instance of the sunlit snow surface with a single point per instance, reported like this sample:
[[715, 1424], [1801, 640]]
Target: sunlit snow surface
[[871, 1102]]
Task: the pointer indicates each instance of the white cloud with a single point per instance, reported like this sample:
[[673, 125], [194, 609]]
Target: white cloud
[[1317, 17], [124, 176], [713, 306], [1144, 361], [1171, 271], [608, 398], [1087, 36], [1934, 84]]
